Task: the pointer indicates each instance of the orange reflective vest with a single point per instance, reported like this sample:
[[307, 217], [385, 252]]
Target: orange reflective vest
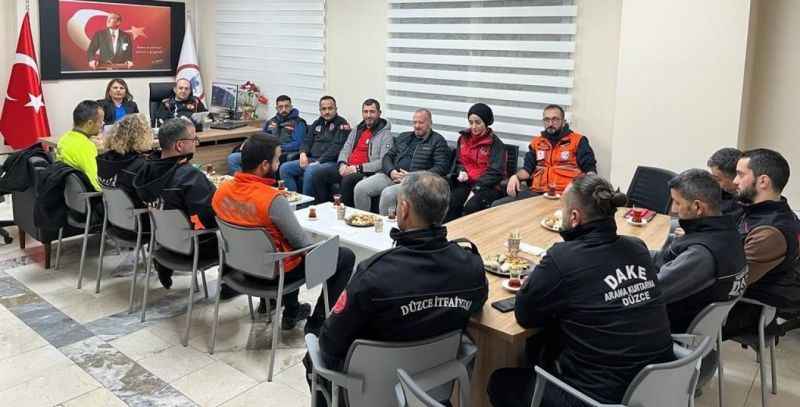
[[556, 165], [245, 201]]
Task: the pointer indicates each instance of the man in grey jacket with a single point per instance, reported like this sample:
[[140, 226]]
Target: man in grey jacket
[[360, 156], [706, 264]]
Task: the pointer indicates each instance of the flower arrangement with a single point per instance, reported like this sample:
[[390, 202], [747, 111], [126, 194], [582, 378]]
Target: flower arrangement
[[249, 96]]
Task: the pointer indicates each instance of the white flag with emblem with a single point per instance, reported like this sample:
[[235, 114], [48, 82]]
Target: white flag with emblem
[[188, 67]]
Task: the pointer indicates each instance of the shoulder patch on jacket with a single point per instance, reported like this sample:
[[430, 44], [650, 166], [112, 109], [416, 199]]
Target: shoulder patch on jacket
[[344, 127], [341, 303]]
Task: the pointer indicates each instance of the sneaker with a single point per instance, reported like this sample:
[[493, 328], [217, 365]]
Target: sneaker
[[164, 275], [227, 293], [290, 319]]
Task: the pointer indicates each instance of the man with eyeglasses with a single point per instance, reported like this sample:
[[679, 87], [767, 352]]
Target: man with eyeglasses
[[554, 158], [169, 180]]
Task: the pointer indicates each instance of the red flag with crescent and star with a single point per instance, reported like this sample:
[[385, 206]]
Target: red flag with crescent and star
[[24, 117]]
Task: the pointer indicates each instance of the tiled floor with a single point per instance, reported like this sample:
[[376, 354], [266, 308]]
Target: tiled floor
[[60, 346]]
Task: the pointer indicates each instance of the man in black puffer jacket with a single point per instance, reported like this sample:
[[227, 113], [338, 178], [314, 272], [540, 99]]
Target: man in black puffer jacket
[[424, 287], [419, 150]]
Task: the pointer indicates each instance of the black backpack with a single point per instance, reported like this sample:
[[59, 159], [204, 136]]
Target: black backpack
[[16, 173]]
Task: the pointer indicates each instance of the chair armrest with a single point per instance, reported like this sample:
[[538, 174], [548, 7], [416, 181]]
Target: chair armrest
[[201, 232], [542, 379], [468, 351], [139, 211], [441, 375], [767, 311], [350, 383], [88, 195]]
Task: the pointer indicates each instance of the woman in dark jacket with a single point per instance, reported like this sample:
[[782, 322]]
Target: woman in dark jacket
[[118, 101], [479, 165]]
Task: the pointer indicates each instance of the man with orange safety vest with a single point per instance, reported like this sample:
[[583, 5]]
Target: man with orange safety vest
[[554, 158]]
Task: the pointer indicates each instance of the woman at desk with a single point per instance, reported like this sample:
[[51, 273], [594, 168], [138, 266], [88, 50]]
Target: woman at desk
[[118, 102]]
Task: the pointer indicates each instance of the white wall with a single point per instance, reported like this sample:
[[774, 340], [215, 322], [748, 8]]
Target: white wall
[[357, 31], [60, 96], [775, 86], [596, 59], [679, 84]]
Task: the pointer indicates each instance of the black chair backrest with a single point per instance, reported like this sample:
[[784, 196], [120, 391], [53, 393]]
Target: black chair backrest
[[158, 92], [650, 189], [512, 158]]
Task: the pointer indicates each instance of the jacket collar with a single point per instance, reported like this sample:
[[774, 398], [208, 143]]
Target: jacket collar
[[598, 231], [379, 125], [767, 207], [486, 138], [564, 132], [707, 224], [433, 237], [246, 177], [293, 115]]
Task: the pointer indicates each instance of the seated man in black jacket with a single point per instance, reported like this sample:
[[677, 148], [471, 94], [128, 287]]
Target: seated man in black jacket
[[722, 165], [419, 150], [183, 103], [169, 179], [597, 292], [704, 265], [402, 294]]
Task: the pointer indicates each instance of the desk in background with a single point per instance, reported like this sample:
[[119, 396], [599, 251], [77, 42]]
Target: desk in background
[[215, 145]]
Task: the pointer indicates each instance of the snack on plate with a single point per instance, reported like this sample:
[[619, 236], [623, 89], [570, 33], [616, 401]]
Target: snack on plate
[[500, 263], [553, 222], [361, 220], [217, 180], [292, 196]]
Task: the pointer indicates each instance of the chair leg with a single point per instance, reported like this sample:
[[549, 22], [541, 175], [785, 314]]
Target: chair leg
[[195, 283], [100, 260], [216, 319], [719, 366], [21, 238], [189, 311], [83, 252], [250, 304], [762, 362], [772, 366], [205, 285], [58, 248], [138, 249], [275, 333], [47, 255], [269, 310], [147, 281]]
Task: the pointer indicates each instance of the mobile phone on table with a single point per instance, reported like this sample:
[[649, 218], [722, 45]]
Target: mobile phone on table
[[505, 305]]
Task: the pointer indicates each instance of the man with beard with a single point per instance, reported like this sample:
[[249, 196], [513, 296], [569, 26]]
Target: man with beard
[[554, 158], [360, 157], [598, 299], [722, 165], [771, 234], [287, 125]]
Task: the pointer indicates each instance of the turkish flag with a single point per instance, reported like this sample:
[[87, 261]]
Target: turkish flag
[[24, 117]]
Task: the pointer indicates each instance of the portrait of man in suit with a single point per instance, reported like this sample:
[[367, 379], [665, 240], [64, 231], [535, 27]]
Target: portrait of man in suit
[[113, 45]]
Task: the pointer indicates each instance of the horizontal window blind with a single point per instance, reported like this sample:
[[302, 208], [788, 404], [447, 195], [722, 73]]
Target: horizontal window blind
[[278, 44], [514, 55]]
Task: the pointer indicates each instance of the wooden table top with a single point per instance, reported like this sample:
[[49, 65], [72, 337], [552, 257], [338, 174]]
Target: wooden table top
[[207, 135], [489, 230]]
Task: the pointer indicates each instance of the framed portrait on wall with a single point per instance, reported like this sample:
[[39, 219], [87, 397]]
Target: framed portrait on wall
[[109, 38]]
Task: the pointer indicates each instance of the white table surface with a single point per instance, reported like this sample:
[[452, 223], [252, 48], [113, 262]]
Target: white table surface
[[304, 199], [327, 225]]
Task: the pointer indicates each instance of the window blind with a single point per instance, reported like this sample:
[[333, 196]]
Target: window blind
[[514, 55], [278, 44]]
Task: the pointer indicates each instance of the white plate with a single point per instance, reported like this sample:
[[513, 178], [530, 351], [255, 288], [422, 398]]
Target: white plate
[[553, 197], [508, 287], [544, 225], [631, 222]]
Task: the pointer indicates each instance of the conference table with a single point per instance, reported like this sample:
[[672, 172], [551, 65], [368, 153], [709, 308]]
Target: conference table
[[500, 340], [215, 144]]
